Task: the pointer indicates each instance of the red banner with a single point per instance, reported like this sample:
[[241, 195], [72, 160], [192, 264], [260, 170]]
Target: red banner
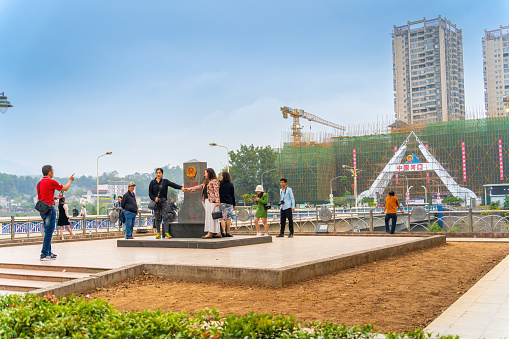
[[354, 159], [427, 173], [463, 161], [500, 159]]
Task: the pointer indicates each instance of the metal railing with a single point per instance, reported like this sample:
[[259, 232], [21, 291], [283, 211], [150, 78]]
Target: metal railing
[[25, 227], [305, 221], [365, 219]]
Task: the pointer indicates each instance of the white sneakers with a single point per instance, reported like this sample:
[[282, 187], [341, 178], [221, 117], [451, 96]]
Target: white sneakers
[[266, 234], [258, 234]]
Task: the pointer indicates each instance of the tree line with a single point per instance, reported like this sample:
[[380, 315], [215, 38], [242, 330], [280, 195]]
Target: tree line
[[247, 164], [19, 186]]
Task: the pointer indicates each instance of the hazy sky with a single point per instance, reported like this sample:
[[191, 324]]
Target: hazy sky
[[156, 81]]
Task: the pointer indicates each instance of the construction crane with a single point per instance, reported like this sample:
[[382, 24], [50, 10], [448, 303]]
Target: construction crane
[[299, 113]]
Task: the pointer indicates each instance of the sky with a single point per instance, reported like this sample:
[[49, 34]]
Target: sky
[[155, 82]]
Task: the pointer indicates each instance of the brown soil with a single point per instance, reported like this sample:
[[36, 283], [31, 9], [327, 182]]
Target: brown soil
[[397, 294]]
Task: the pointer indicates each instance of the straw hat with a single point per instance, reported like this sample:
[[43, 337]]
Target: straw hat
[[259, 188]]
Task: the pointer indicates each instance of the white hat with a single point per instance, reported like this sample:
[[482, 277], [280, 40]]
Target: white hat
[[259, 188]]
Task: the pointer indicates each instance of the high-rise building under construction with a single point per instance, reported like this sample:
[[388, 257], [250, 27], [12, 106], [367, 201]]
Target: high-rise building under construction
[[495, 52], [428, 72]]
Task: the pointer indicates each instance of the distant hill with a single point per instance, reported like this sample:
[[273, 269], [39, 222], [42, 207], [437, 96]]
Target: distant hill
[[10, 167], [16, 185]]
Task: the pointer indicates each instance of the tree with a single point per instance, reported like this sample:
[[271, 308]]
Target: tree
[[247, 165], [368, 200], [452, 200], [506, 202], [248, 197]]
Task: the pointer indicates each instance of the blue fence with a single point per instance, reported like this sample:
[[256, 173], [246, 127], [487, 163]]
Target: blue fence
[[30, 225]]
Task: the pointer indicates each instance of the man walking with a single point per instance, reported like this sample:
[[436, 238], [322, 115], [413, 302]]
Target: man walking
[[46, 193], [287, 206], [391, 210], [130, 209]]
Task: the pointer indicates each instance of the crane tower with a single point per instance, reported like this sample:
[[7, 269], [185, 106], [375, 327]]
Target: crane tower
[[299, 113]]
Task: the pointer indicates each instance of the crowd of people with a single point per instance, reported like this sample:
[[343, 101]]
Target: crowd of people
[[218, 195]]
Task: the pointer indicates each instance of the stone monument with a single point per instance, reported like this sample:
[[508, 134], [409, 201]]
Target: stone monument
[[191, 218]]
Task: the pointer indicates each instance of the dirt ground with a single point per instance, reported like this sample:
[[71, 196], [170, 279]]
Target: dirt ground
[[397, 294]]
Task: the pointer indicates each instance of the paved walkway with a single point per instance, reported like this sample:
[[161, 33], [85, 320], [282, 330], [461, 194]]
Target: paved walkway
[[280, 253], [482, 312]]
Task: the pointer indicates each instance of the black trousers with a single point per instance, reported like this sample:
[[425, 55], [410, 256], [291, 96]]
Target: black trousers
[[286, 214], [161, 214]]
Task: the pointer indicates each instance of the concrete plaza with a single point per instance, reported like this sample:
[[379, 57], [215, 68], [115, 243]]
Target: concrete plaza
[[482, 312]]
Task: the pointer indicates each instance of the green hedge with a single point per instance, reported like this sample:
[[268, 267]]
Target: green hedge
[[24, 316]]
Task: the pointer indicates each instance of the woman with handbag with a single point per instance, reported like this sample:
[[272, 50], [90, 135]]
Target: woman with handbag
[[210, 198], [261, 199], [63, 218]]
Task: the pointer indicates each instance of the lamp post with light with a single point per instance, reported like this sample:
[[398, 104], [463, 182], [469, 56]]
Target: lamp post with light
[[354, 174], [4, 103], [331, 196], [438, 189], [267, 172], [97, 192], [212, 144]]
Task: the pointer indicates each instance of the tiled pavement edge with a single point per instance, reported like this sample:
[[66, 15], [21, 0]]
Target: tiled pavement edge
[[483, 311]]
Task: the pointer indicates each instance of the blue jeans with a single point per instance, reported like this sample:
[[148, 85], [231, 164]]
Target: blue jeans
[[129, 223], [394, 217], [48, 221]]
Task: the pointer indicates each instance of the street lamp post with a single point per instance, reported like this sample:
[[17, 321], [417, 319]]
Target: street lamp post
[[97, 191], [331, 196], [408, 195], [267, 172], [212, 144], [4, 103], [354, 174], [438, 189]]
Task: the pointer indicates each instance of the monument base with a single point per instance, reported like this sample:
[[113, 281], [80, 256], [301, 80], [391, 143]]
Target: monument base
[[186, 230], [214, 243]]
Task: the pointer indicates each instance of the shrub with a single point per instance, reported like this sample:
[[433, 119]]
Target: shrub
[[30, 316]]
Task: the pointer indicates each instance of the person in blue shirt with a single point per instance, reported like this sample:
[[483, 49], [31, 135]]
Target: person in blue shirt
[[287, 206]]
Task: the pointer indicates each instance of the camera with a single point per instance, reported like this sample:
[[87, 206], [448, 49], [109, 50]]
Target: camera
[[281, 203]]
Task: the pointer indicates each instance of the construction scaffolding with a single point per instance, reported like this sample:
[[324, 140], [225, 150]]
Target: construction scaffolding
[[308, 165], [484, 143]]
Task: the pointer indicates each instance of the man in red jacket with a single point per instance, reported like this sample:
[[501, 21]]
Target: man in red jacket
[[46, 192]]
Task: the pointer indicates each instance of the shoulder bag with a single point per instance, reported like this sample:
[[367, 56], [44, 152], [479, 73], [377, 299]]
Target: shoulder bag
[[152, 204], [41, 206]]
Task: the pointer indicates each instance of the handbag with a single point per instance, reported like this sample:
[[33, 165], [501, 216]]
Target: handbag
[[41, 206], [267, 206], [152, 205], [217, 215]]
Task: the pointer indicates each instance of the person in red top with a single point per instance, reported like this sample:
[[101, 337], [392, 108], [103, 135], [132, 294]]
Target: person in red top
[[391, 210], [46, 192]]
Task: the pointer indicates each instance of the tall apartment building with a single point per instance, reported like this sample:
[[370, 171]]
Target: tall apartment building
[[495, 52], [428, 72]]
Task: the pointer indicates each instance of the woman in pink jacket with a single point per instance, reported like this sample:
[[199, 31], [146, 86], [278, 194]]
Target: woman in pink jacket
[[210, 198]]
